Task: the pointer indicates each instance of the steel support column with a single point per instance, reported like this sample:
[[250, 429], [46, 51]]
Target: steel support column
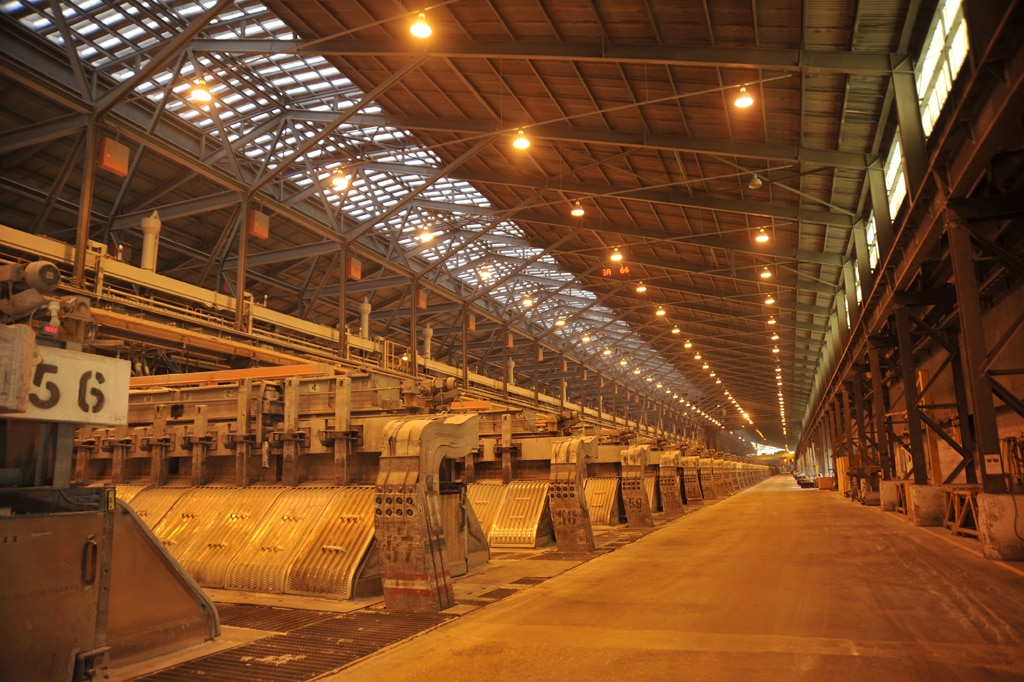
[[908, 369], [880, 209], [85, 205], [975, 355], [243, 251], [858, 417], [878, 412], [911, 130]]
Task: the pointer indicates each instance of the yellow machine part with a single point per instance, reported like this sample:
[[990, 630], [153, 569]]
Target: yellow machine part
[[602, 500]]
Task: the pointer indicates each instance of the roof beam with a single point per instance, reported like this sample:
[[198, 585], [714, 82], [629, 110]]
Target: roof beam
[[767, 210], [869, 63], [709, 240], [783, 153], [182, 209]]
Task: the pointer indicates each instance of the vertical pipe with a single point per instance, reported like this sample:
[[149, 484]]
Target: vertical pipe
[[428, 339], [364, 319], [150, 240]]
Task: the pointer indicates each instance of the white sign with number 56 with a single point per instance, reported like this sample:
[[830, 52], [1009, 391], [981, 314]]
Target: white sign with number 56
[[79, 388]]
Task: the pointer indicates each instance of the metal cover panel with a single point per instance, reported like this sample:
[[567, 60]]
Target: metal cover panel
[[602, 498], [486, 499], [152, 504], [262, 564], [48, 607], [235, 514], [454, 522], [155, 608], [516, 522], [327, 565], [127, 493]]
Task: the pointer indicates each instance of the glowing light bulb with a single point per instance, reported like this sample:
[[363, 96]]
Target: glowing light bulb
[[660, 312], [420, 28], [641, 287], [521, 141], [577, 210], [200, 94], [743, 100], [340, 180], [761, 237], [616, 255]]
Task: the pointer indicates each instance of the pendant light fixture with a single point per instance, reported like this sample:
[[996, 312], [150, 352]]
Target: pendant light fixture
[[420, 28], [743, 100]]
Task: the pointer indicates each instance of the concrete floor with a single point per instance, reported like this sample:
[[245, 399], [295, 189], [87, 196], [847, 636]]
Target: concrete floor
[[774, 583]]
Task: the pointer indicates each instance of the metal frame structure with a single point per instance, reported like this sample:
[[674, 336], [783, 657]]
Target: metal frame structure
[[630, 111]]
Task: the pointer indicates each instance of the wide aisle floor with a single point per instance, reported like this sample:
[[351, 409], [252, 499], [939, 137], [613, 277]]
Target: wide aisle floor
[[774, 583]]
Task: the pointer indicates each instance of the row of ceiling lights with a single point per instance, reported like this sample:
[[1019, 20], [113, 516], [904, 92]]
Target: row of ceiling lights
[[341, 180], [421, 29]]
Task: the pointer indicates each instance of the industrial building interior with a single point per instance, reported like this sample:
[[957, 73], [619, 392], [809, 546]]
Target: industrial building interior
[[313, 308]]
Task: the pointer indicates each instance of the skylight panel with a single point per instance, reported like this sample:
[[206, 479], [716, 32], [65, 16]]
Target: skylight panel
[[285, 81]]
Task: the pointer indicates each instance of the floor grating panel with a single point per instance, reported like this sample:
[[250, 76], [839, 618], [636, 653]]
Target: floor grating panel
[[528, 580], [568, 556], [273, 618], [304, 653], [497, 594]]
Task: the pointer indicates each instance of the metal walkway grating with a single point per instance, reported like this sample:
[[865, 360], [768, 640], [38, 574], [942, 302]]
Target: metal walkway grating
[[272, 618], [305, 653], [528, 580], [497, 594]]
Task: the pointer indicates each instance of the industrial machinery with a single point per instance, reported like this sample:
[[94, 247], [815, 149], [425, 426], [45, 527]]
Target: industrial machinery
[[286, 460], [75, 562]]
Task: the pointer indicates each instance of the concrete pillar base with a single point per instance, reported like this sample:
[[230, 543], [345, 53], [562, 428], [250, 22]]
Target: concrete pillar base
[[1001, 526], [925, 505], [887, 495]]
